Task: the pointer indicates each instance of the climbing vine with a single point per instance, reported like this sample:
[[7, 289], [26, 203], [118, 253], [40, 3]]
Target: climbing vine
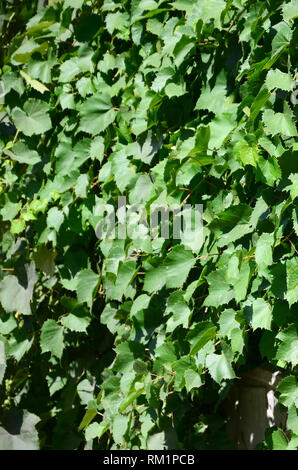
[[133, 343]]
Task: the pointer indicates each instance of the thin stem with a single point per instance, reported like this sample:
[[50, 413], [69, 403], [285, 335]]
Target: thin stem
[[15, 137], [236, 18]]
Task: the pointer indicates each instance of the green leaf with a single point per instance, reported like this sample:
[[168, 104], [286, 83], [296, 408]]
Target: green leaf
[[220, 293], [33, 119], [175, 105], [51, 338], [292, 421], [227, 322], [166, 352], [279, 440], [131, 397], [192, 379], [116, 21], [178, 264], [246, 154], [264, 247], [231, 218], [97, 148], [293, 188], [72, 4], [288, 349], [241, 284], [220, 128], [10, 207], [180, 310], [81, 186], [44, 260], [290, 10], [25, 436], [288, 391], [22, 154], [277, 123], [78, 321], [200, 335], [2, 360], [162, 77], [280, 41], [295, 219], [212, 9], [293, 444], [155, 278], [179, 367], [91, 431], [258, 103], [87, 283], [219, 365], [141, 192], [88, 417], [55, 218], [7, 323], [214, 98], [125, 276], [261, 314], [162, 441], [172, 89], [147, 149], [96, 430], [277, 79], [19, 344], [12, 81], [123, 170], [292, 280], [97, 113], [268, 171], [119, 427], [41, 69], [34, 83], [237, 341], [85, 391], [127, 353], [17, 226], [16, 293], [79, 64], [27, 49]]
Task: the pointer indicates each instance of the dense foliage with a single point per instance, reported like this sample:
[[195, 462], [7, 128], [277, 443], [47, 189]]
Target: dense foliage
[[134, 343]]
